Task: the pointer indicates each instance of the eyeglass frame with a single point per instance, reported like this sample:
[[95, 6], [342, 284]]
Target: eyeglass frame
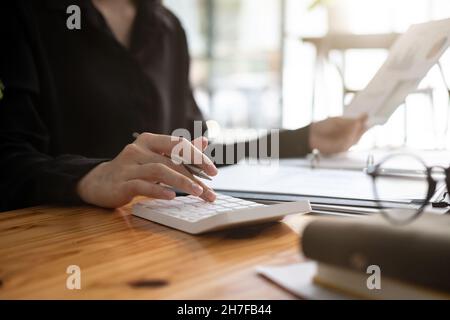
[[373, 171]]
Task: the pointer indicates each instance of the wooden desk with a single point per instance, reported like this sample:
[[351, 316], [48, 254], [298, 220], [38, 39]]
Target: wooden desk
[[114, 248]]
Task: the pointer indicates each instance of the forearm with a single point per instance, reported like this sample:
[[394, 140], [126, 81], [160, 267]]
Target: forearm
[[29, 175], [31, 178], [288, 144], [295, 143]]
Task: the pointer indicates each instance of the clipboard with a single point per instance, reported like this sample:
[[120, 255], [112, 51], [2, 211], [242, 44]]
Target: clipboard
[[320, 203]]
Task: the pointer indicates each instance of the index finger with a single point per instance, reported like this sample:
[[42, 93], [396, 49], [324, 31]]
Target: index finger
[[169, 145], [200, 143]]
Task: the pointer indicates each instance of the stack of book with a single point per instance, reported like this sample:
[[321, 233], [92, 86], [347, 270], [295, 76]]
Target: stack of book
[[370, 258]]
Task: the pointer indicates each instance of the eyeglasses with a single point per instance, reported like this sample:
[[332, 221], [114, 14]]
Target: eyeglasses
[[417, 182]]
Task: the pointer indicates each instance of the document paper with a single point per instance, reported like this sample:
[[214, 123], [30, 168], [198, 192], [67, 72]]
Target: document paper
[[296, 180], [409, 60]]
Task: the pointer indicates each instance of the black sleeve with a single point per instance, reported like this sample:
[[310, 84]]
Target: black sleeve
[[28, 174], [294, 143], [291, 143]]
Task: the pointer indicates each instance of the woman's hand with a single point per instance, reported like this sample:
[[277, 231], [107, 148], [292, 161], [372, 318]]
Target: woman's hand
[[140, 168], [336, 134]]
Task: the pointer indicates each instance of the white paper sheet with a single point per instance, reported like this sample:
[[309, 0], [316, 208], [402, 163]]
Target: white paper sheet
[[409, 60], [297, 180]]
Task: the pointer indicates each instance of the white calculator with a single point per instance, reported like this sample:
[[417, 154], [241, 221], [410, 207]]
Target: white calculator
[[193, 215]]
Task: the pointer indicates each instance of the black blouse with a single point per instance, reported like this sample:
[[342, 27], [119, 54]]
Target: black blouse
[[73, 98]]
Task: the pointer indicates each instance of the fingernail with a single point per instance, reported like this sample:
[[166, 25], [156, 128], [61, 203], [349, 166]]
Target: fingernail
[[212, 170], [209, 162], [197, 189], [210, 195]]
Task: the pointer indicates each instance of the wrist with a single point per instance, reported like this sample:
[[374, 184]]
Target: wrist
[[85, 184]]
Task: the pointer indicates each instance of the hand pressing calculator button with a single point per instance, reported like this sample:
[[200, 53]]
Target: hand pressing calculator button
[[193, 215]]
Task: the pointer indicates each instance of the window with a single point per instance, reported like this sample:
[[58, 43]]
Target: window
[[250, 68], [236, 59]]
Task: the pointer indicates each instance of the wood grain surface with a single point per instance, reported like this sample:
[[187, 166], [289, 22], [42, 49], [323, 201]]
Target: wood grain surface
[[125, 257]]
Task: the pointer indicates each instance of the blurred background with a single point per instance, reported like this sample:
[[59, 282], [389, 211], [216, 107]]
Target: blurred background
[[285, 63]]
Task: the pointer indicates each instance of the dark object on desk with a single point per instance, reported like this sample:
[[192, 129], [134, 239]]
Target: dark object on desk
[[418, 253], [442, 201], [148, 283]]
